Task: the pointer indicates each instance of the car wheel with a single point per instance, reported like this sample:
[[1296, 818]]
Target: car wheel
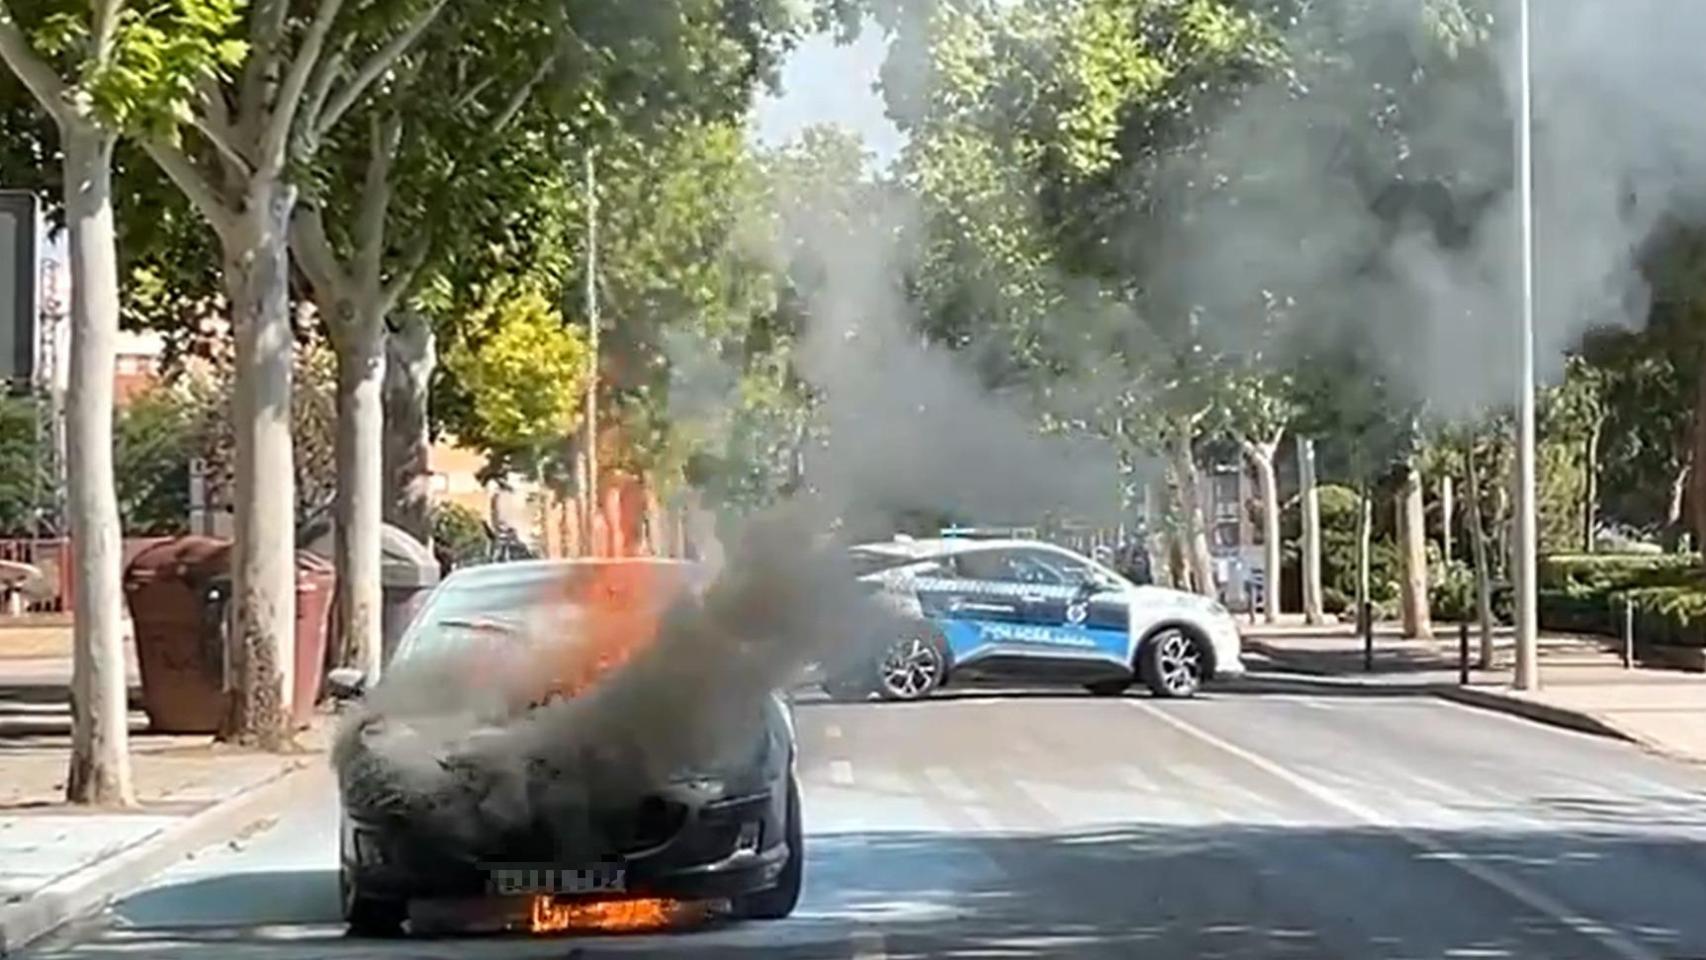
[[370, 916], [911, 667], [1173, 664], [1108, 688], [780, 900]]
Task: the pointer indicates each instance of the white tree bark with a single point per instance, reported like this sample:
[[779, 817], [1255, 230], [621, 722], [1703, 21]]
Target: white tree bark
[[1197, 555], [100, 751], [1261, 456], [360, 467], [1314, 610], [1447, 516], [257, 270], [1365, 542], [1413, 558]]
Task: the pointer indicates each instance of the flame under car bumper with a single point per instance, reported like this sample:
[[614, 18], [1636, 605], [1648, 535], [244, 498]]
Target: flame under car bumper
[[713, 855]]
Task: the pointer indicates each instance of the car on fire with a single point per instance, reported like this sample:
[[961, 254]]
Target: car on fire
[[980, 610], [729, 834]]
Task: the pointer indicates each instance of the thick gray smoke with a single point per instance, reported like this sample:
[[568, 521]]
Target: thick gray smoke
[[1421, 263]]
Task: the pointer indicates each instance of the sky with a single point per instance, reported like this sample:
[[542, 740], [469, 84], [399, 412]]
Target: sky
[[824, 82]]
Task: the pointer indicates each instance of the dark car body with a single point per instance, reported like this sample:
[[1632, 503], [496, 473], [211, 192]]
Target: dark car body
[[732, 834]]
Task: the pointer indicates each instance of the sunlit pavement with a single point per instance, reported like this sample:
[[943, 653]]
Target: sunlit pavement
[[1244, 824]]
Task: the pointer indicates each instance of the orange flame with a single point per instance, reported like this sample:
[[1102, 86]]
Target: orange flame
[[621, 606], [608, 916]]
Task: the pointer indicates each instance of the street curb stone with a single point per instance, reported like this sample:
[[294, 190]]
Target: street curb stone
[[1577, 720], [92, 888]]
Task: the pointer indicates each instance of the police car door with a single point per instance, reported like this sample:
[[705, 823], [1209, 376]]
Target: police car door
[[1090, 612]]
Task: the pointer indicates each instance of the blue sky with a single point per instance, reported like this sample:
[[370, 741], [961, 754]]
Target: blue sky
[[824, 82]]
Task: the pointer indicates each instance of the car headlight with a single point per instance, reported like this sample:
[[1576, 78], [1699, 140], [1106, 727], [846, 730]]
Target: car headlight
[[707, 785]]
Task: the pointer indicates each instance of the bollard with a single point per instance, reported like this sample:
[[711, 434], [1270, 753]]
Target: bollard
[[1628, 634], [1367, 615], [1463, 654]]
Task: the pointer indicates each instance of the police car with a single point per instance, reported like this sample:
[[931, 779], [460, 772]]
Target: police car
[[1012, 610]]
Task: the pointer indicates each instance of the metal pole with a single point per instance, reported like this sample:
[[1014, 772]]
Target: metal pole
[[590, 491], [1366, 615], [1463, 654], [1526, 546], [1628, 633]]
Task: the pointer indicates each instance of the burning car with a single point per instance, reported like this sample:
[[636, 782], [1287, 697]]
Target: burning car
[[554, 738]]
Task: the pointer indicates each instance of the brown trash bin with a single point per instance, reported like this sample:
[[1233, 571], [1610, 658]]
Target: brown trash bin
[[177, 593]]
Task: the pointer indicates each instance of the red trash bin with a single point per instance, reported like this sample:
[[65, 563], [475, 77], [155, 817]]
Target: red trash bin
[[177, 593]]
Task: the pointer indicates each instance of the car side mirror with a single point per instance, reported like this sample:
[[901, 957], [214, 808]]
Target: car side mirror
[[346, 683]]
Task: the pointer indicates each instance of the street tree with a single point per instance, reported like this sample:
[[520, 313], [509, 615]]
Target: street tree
[[100, 70], [236, 150]]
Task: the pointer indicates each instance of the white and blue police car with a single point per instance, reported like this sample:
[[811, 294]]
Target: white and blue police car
[[972, 611]]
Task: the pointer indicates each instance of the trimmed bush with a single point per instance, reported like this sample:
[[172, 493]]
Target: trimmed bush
[[1587, 594]]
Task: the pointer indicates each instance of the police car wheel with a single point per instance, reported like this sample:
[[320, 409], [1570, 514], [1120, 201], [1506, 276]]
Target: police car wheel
[[911, 667], [1173, 664]]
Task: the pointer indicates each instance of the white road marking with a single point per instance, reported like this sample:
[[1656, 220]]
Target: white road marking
[[841, 773], [832, 732], [869, 945], [963, 798], [1534, 899]]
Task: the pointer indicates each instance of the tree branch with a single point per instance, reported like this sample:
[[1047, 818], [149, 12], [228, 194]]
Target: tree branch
[[266, 36], [519, 98], [314, 254], [374, 68], [275, 142], [47, 86], [375, 200], [405, 276], [314, 100], [189, 178], [214, 123]]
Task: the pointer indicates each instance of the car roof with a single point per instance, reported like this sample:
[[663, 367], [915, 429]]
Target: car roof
[[946, 547], [527, 571]]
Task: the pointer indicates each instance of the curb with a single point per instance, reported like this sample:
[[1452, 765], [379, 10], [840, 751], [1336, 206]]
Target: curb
[[92, 888], [1483, 699]]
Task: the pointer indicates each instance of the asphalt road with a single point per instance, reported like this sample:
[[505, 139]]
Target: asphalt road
[[1244, 824]]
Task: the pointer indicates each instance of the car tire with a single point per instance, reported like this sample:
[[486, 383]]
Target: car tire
[[913, 666], [1108, 688], [370, 917], [780, 900], [1173, 663]]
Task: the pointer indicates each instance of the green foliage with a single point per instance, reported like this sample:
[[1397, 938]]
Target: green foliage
[[522, 370], [1586, 574], [155, 437], [1339, 511], [459, 535], [25, 486], [1590, 594]]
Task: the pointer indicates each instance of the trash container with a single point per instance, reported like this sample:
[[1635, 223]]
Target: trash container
[[178, 593], [408, 572], [180, 640]]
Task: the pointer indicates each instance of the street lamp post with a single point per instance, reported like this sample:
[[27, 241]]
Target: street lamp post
[[1526, 546]]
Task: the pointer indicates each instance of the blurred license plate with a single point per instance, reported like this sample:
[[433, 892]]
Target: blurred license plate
[[512, 879]]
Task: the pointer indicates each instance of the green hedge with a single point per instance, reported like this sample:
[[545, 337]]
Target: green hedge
[[1587, 594]]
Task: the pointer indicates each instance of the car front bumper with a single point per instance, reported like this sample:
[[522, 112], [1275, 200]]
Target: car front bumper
[[1228, 646], [721, 849]]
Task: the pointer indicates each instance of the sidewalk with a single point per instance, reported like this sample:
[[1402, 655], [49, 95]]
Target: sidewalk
[[1583, 682], [58, 862]]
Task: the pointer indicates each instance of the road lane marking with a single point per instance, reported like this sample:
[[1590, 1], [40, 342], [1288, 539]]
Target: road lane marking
[[841, 773], [869, 945], [1513, 887], [832, 732], [962, 798]]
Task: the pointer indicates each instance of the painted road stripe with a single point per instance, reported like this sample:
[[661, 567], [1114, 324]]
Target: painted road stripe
[[962, 799], [832, 732], [1536, 900], [841, 773], [869, 945]]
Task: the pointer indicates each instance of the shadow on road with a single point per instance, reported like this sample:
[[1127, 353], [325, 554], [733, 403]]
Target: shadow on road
[[1143, 889]]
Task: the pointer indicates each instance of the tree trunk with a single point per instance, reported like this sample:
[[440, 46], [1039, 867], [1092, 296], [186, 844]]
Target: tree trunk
[[1309, 492], [100, 751], [360, 341], [1197, 556], [1262, 458], [1697, 479], [410, 357], [1155, 537], [1365, 544], [1413, 558], [1483, 569], [257, 273], [1447, 518], [1590, 500]]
